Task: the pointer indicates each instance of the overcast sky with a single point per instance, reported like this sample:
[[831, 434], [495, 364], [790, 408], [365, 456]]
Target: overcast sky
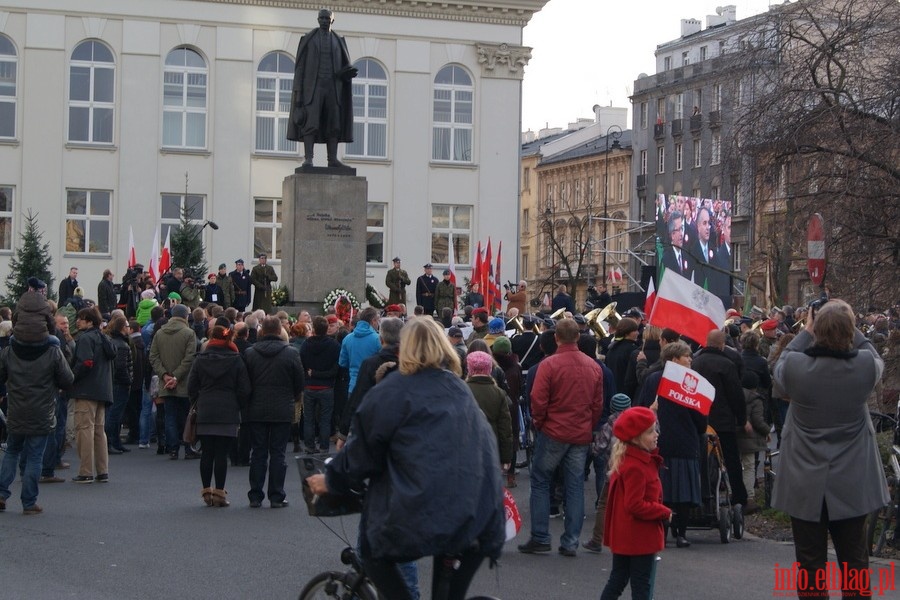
[[588, 52]]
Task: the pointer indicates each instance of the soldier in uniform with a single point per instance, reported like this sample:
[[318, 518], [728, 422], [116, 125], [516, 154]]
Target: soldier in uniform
[[426, 286], [227, 285], [396, 281], [262, 276], [445, 295], [241, 280]]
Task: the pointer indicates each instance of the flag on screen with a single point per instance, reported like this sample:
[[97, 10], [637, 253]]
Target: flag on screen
[[688, 388], [687, 308]]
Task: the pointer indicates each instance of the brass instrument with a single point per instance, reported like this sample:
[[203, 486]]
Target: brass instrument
[[598, 315], [516, 323], [557, 315], [595, 325], [756, 326]]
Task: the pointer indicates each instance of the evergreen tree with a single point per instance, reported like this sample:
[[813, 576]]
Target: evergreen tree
[[32, 259], [187, 246]]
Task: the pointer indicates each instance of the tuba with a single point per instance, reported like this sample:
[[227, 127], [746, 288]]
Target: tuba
[[557, 315]]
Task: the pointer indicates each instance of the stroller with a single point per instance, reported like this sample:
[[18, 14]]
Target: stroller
[[715, 510]]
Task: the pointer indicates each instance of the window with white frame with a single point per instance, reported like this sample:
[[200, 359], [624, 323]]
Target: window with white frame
[[452, 115], [679, 106], [644, 110], [184, 99], [667, 63], [685, 59], [737, 257], [451, 228], [548, 199], [564, 194], [370, 91], [88, 221], [661, 159], [716, 96], [697, 152], [660, 110], [714, 192], [715, 149], [643, 166], [8, 66], [579, 199], [171, 207], [267, 227], [6, 217], [375, 230], [92, 83], [703, 52], [274, 82], [679, 152], [526, 220]]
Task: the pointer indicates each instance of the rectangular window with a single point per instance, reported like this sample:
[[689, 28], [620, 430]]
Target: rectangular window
[[661, 159], [6, 217], [685, 59], [579, 199], [643, 166], [184, 108], [526, 179], [702, 52], [375, 230], [621, 178], [679, 151], [451, 227], [716, 149], [7, 94], [679, 106], [714, 193], [171, 208], [370, 113], [267, 227], [660, 110], [590, 191], [88, 221], [737, 257], [273, 105], [525, 272], [564, 194], [697, 150], [695, 192], [717, 97], [526, 220], [698, 100], [548, 200], [644, 110], [667, 63]]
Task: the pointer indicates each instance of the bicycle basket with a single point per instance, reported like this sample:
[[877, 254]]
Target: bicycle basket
[[329, 505]]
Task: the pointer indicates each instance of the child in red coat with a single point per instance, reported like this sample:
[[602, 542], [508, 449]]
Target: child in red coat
[[634, 509]]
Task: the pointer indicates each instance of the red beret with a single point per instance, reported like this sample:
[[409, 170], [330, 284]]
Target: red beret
[[331, 319], [393, 308], [633, 422], [769, 325], [211, 276], [732, 312], [480, 311]]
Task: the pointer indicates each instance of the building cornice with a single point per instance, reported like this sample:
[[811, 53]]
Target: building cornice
[[501, 12]]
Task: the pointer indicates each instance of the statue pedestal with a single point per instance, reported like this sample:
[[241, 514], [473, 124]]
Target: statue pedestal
[[323, 236]]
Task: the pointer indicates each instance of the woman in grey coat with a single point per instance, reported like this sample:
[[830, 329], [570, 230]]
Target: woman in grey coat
[[830, 476]]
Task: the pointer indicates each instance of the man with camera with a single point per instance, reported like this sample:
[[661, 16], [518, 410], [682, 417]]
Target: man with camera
[[516, 296]]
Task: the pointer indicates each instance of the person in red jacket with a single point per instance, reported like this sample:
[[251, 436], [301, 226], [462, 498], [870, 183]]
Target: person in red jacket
[[634, 508]]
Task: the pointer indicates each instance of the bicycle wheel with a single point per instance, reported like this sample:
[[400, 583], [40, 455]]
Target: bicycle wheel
[[334, 584]]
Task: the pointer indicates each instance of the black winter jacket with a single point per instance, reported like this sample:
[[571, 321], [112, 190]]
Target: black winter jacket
[[431, 461], [219, 384], [617, 360], [729, 410], [364, 382], [32, 376], [276, 376], [123, 368], [92, 366], [319, 356]]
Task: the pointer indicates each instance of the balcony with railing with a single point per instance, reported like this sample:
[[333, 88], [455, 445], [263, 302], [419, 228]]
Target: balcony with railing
[[715, 118], [659, 131], [677, 126], [696, 123]]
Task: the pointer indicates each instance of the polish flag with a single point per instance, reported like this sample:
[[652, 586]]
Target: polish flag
[[451, 266], [651, 298], [154, 256], [165, 261], [132, 254], [686, 387], [687, 308]]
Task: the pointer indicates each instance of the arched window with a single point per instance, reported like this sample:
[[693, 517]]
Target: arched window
[[369, 110], [274, 81], [7, 88], [92, 93], [452, 115], [184, 99]]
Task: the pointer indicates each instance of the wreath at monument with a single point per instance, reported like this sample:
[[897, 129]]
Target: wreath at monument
[[280, 295], [343, 302], [374, 298]]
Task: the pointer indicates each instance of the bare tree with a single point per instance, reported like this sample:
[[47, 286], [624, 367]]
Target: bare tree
[[818, 114]]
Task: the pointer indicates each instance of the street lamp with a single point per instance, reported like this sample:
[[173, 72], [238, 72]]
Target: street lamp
[[548, 224], [616, 133]]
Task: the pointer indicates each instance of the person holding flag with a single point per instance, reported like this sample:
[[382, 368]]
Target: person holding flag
[[680, 428]]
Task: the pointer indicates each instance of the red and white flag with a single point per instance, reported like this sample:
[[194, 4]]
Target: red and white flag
[[687, 308], [165, 261], [154, 257], [513, 518], [451, 266], [651, 298], [686, 387], [132, 254]]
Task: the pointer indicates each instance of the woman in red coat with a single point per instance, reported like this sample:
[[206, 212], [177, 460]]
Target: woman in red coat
[[634, 509]]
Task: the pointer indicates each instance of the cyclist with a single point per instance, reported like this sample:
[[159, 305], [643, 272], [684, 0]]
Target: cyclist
[[430, 459]]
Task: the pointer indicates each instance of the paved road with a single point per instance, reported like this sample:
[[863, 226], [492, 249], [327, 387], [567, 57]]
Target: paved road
[[146, 534]]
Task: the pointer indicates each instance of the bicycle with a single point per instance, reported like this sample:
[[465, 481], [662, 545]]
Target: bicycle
[[883, 525], [526, 435]]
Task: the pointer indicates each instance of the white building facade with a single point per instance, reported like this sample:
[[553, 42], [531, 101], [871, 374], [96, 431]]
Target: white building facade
[[116, 113]]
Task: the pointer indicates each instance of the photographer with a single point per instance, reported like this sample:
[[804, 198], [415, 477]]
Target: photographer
[[130, 290], [516, 296], [190, 291], [598, 298]]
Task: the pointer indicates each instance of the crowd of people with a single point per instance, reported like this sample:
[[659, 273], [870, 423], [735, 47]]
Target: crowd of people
[[255, 383]]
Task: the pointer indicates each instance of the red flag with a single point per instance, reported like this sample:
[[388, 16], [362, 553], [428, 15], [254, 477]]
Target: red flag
[[132, 254], [487, 274], [513, 518], [498, 303], [165, 260], [154, 257], [686, 387], [687, 308], [651, 298], [476, 270], [451, 266]]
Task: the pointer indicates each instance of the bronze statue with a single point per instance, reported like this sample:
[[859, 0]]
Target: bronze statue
[[322, 98]]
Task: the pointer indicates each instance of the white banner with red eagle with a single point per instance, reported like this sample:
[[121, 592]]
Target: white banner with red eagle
[[686, 387]]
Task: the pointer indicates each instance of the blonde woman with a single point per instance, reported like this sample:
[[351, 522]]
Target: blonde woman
[[431, 460]]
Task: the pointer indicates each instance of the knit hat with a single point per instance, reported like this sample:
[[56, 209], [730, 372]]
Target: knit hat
[[619, 402], [34, 282], [633, 422], [501, 345], [479, 363], [496, 325], [174, 296], [454, 332], [148, 294], [180, 310]]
